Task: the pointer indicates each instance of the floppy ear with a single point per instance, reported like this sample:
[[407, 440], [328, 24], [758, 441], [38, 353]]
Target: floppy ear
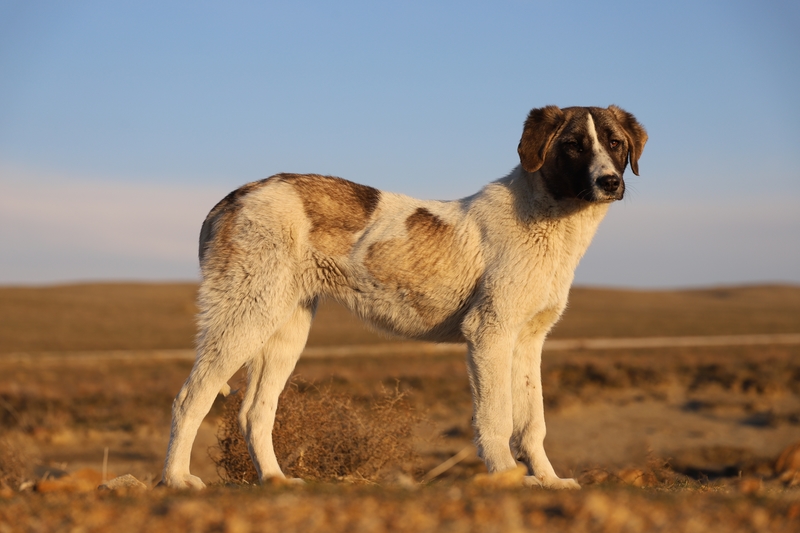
[[636, 134], [540, 127]]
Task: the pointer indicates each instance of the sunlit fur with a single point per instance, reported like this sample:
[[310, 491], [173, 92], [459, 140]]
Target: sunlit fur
[[492, 270]]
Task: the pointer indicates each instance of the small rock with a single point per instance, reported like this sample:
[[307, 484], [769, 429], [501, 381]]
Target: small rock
[[750, 485], [791, 478], [637, 477], [596, 476], [123, 482], [787, 467], [85, 480], [403, 480], [6, 492]]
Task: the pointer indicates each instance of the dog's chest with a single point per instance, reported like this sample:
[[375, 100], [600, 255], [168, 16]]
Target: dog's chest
[[535, 263]]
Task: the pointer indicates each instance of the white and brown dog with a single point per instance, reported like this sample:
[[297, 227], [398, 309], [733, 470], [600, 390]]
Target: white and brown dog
[[492, 270]]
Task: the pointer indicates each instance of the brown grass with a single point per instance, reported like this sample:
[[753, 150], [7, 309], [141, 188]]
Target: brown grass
[[717, 311], [100, 316], [115, 316], [12, 465], [715, 419], [324, 435]]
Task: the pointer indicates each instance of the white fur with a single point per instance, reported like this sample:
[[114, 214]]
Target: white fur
[[601, 163], [499, 266]]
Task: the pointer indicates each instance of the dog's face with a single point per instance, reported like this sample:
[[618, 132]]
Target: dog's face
[[582, 152]]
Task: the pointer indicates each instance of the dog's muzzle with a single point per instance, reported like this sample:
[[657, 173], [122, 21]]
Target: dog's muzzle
[[609, 187]]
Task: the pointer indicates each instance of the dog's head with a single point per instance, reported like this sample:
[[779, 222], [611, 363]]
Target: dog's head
[[581, 152]]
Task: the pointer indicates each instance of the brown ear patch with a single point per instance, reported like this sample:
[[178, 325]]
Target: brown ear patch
[[637, 136], [426, 269], [539, 130], [337, 209]]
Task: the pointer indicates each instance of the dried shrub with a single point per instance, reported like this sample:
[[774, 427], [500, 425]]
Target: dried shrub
[[12, 466], [322, 435]]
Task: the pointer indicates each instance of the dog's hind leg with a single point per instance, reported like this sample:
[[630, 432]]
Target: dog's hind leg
[[528, 408], [267, 376], [208, 376], [234, 332]]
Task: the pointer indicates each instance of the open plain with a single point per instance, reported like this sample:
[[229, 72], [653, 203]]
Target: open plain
[[687, 435]]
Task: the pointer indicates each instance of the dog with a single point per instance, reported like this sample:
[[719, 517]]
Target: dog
[[492, 270]]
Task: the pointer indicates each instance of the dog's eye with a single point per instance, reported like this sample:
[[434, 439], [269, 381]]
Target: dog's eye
[[574, 145], [613, 143]]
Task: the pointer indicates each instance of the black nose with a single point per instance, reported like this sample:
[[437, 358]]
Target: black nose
[[610, 183]]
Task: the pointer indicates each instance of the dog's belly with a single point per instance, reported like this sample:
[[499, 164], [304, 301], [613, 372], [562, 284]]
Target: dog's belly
[[405, 299], [415, 281], [412, 312]]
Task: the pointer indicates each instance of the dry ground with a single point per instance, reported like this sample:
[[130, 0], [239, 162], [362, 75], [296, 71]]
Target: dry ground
[[665, 439], [161, 316]]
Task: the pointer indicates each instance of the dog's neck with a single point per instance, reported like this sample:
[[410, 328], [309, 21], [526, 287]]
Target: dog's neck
[[534, 201]]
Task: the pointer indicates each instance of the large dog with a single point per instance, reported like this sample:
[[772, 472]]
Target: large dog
[[492, 270]]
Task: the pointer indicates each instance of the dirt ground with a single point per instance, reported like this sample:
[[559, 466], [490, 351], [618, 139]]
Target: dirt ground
[[669, 439]]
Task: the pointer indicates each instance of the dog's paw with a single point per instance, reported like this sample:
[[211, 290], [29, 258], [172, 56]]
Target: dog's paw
[[561, 484], [532, 481], [185, 481], [551, 483]]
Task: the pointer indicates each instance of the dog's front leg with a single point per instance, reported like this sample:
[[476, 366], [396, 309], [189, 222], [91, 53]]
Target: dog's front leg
[[528, 402], [489, 366]]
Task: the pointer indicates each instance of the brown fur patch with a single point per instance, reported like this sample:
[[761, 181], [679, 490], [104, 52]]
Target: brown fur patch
[[427, 268], [337, 209], [635, 132], [425, 224], [217, 226], [537, 134]]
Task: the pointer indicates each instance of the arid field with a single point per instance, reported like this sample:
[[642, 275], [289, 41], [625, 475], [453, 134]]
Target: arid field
[[691, 435]]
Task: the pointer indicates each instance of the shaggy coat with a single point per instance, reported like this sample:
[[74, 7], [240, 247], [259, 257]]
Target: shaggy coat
[[492, 270]]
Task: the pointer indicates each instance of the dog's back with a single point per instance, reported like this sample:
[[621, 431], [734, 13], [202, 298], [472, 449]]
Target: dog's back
[[406, 266]]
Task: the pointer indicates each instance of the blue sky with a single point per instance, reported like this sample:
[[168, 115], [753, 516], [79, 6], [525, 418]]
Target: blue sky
[[122, 123]]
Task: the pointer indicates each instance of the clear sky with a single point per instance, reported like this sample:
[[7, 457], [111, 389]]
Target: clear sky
[[122, 123]]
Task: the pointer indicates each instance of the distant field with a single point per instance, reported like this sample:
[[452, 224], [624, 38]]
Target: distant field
[[161, 316]]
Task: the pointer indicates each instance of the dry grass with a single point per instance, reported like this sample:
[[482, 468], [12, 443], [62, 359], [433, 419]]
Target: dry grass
[[717, 311], [324, 435], [101, 316], [645, 495], [451, 508], [13, 466], [49, 396], [119, 316], [715, 418]]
